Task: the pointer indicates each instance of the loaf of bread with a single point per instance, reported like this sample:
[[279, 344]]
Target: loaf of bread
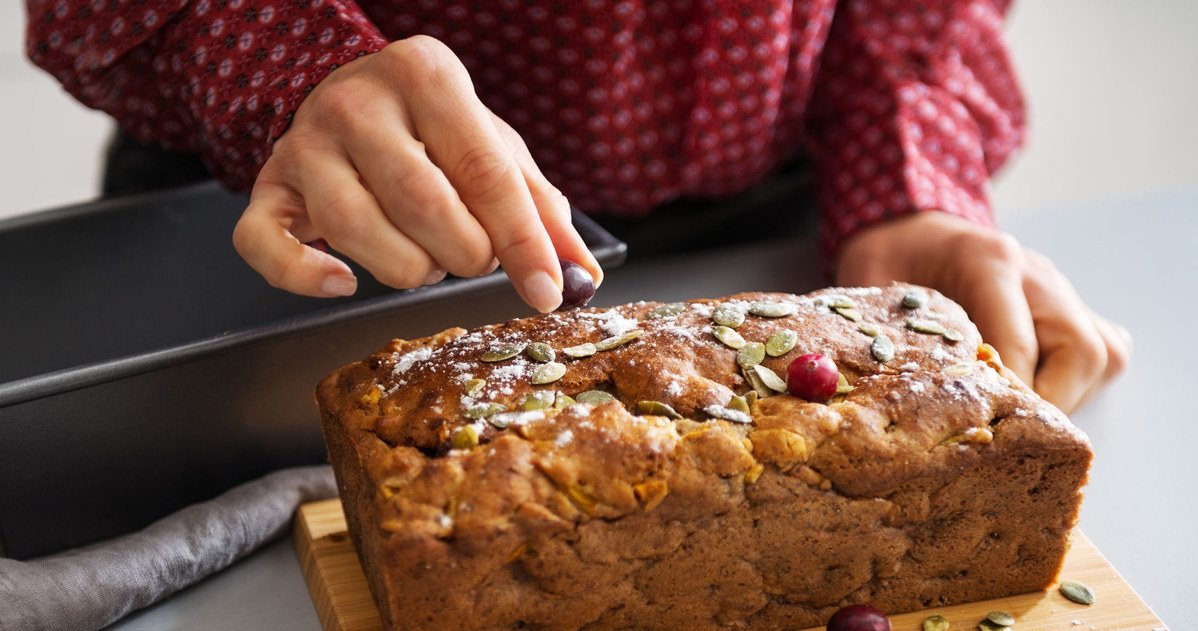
[[641, 467]]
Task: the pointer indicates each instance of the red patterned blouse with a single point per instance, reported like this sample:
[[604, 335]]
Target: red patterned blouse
[[901, 105]]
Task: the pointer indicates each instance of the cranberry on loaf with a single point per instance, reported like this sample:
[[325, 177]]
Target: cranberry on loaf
[[645, 467]]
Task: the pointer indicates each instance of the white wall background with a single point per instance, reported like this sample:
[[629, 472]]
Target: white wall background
[[1112, 88]]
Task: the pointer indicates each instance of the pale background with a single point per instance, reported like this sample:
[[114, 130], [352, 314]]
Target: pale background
[[1112, 86]]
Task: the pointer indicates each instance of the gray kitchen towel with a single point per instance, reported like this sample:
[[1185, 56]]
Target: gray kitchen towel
[[92, 587]]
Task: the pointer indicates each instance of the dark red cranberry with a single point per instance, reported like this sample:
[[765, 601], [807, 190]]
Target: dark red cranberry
[[577, 285], [858, 618], [812, 377]]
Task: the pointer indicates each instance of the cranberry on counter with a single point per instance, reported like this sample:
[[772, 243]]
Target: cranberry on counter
[[858, 618]]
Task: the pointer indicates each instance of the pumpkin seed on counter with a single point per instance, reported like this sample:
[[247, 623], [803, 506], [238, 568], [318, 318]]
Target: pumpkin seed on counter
[[594, 397], [882, 348], [729, 315], [728, 414], [1078, 592], [1001, 618], [987, 625], [767, 309], [935, 622], [728, 336], [657, 408], [750, 354], [548, 373], [540, 351], [617, 340], [665, 311], [500, 353], [586, 349], [781, 343]]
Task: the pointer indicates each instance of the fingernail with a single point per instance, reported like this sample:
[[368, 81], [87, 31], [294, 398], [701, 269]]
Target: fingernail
[[339, 285], [435, 276], [541, 293], [491, 268]]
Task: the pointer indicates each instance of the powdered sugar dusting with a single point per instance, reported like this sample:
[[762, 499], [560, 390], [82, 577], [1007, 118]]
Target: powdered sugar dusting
[[408, 360]]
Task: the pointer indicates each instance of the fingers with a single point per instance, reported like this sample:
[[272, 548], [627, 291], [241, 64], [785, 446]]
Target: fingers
[[993, 295], [1080, 351], [264, 239], [552, 205]]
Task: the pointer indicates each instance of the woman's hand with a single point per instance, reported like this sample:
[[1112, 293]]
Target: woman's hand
[[394, 161], [1021, 303]]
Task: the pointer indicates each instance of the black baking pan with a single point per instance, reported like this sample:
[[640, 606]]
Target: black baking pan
[[144, 366]]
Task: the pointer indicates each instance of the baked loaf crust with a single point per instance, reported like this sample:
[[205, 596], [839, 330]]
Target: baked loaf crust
[[938, 478]]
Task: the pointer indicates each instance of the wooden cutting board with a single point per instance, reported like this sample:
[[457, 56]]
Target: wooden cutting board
[[343, 599]]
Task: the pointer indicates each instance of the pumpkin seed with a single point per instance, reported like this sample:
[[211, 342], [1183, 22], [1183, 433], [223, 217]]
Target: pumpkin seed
[[759, 388], [465, 438], [848, 313], [959, 369], [501, 353], [842, 385], [740, 404], [882, 348], [1078, 592], [987, 625], [728, 315], [953, 335], [505, 419], [667, 310], [915, 299], [657, 408], [617, 340], [548, 373], [728, 336], [935, 623], [474, 386], [781, 343], [869, 328], [750, 354], [770, 378], [483, 410], [539, 400], [585, 349], [771, 309], [727, 414], [925, 326], [540, 351], [841, 302], [1001, 618], [563, 401], [751, 397], [595, 397]]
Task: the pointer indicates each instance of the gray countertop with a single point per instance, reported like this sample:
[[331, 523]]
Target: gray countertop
[[1133, 260]]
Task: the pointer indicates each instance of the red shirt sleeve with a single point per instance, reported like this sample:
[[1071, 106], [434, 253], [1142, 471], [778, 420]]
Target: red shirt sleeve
[[915, 105], [218, 77]]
